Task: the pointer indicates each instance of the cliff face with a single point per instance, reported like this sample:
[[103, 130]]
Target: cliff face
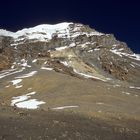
[[70, 48]]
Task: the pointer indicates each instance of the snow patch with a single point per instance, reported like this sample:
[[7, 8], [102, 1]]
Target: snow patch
[[90, 51], [109, 79], [27, 75], [9, 73], [30, 104], [85, 45], [29, 88], [7, 86], [19, 99], [136, 64], [116, 85], [64, 63], [17, 81], [34, 61], [132, 65], [23, 102], [46, 68], [45, 62], [99, 103], [115, 45], [24, 63], [131, 56], [12, 67], [64, 107], [126, 93], [61, 48], [88, 76], [31, 93], [132, 87], [115, 51], [72, 45], [96, 49], [78, 33], [19, 86]]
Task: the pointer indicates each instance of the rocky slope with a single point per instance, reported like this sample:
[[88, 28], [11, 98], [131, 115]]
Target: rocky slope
[[75, 77], [71, 48]]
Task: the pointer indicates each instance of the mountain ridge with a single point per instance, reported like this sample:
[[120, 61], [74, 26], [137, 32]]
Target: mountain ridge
[[85, 51]]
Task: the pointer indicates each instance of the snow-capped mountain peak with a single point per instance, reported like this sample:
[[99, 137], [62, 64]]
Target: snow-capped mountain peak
[[46, 29], [45, 32]]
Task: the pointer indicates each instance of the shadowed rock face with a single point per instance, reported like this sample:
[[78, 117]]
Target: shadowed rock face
[[81, 50], [5, 53]]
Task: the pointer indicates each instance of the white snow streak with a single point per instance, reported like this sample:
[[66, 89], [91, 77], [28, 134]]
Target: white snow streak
[[9, 73], [88, 76], [64, 107], [35, 60], [127, 93], [61, 48], [46, 68], [27, 75], [131, 56], [132, 87]]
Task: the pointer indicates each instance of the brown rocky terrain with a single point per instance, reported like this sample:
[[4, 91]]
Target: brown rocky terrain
[[68, 81]]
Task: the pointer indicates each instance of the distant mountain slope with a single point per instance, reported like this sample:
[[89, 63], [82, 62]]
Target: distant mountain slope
[[70, 48]]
